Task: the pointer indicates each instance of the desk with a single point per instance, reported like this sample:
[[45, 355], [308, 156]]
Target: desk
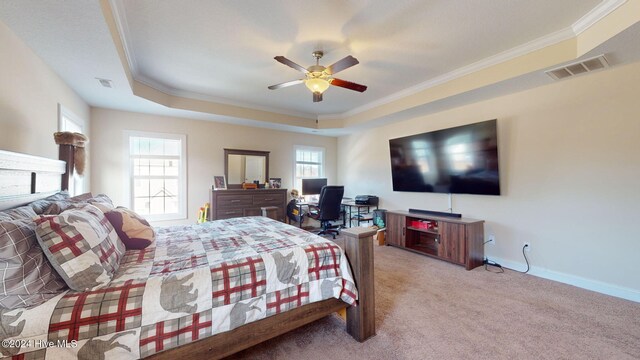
[[360, 215], [306, 204], [301, 213]]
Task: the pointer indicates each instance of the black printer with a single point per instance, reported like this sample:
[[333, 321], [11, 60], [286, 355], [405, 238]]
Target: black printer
[[366, 200]]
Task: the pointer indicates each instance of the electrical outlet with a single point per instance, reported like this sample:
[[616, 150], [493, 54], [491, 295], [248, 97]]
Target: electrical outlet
[[491, 240], [527, 246]]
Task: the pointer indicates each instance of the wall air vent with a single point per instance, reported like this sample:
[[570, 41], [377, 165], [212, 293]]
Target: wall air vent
[[105, 82], [593, 64]]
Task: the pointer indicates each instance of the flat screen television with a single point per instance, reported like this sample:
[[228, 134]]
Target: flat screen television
[[458, 160], [313, 186]]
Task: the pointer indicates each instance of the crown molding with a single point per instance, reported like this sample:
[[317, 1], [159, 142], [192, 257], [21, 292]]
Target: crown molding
[[120, 17], [591, 18], [208, 98], [596, 14], [502, 57], [203, 97]]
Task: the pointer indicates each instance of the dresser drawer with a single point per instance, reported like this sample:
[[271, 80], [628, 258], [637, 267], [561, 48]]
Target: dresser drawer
[[233, 203], [231, 213], [268, 199], [225, 201]]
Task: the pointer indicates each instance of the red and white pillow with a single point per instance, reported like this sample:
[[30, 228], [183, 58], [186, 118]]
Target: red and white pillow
[[81, 245]]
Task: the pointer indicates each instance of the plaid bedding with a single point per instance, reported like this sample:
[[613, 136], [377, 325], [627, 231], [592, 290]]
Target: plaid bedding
[[193, 282]]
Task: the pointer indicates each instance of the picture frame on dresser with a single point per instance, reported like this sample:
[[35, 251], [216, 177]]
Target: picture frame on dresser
[[219, 183], [275, 183]]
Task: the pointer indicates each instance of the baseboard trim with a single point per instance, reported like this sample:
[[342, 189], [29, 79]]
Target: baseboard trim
[[588, 284]]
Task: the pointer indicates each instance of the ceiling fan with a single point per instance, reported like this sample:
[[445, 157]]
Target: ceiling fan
[[318, 78]]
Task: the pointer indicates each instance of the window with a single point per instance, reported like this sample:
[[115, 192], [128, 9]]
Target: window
[[68, 121], [309, 163], [157, 180]]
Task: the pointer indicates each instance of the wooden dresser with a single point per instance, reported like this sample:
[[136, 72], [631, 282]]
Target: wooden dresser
[[237, 202]]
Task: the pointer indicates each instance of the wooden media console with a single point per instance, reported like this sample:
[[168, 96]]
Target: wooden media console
[[457, 240]]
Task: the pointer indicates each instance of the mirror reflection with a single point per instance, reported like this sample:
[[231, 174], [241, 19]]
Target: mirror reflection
[[246, 168]]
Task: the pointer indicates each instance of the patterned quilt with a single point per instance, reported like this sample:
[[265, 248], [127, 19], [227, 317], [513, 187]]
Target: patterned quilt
[[195, 281]]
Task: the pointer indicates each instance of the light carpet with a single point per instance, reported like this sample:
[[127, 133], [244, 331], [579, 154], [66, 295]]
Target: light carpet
[[430, 309]]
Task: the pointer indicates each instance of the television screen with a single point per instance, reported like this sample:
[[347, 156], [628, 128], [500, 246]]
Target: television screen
[[313, 186], [459, 160]]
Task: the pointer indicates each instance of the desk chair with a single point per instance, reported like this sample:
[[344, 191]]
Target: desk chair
[[328, 208]]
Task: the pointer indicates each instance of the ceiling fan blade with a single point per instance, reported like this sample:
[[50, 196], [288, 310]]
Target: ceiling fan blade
[[285, 84], [340, 65], [348, 85], [317, 97], [284, 60]]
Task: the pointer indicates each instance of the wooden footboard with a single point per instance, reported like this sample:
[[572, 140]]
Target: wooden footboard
[[360, 319]]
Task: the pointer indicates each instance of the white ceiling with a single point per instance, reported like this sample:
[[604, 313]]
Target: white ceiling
[[223, 51]]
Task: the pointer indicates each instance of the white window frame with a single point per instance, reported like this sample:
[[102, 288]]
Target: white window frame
[[182, 174], [76, 185], [323, 163]]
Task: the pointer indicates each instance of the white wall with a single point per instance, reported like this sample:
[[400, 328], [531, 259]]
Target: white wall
[[205, 143], [570, 169], [29, 96]]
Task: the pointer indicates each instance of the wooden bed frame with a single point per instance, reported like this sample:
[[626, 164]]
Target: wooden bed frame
[[26, 178]]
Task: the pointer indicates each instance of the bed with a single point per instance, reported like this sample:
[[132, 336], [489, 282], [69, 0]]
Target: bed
[[202, 291]]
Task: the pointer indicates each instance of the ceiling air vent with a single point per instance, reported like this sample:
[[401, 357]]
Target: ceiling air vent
[[105, 82], [581, 67]]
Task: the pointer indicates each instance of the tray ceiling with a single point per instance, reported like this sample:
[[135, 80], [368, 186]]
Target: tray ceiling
[[221, 52]]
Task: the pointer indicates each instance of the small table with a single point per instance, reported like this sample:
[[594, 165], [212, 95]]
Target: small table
[[360, 215]]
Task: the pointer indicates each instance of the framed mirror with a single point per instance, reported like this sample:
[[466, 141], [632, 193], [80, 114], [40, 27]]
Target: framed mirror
[[245, 166]]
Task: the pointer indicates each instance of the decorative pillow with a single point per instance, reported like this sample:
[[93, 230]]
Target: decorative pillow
[[58, 206], [102, 202], [134, 231], [61, 195], [4, 216], [82, 197], [27, 276], [22, 212], [39, 206], [81, 245]]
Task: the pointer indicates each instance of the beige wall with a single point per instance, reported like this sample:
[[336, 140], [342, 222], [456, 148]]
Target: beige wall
[[570, 169], [569, 158], [29, 96], [205, 144]]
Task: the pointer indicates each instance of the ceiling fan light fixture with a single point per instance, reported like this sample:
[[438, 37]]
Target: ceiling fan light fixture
[[317, 85], [318, 78]]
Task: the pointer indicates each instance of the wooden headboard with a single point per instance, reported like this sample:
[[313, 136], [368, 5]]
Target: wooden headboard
[[26, 178]]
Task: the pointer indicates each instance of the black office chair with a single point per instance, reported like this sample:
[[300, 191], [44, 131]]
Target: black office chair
[[328, 209]]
